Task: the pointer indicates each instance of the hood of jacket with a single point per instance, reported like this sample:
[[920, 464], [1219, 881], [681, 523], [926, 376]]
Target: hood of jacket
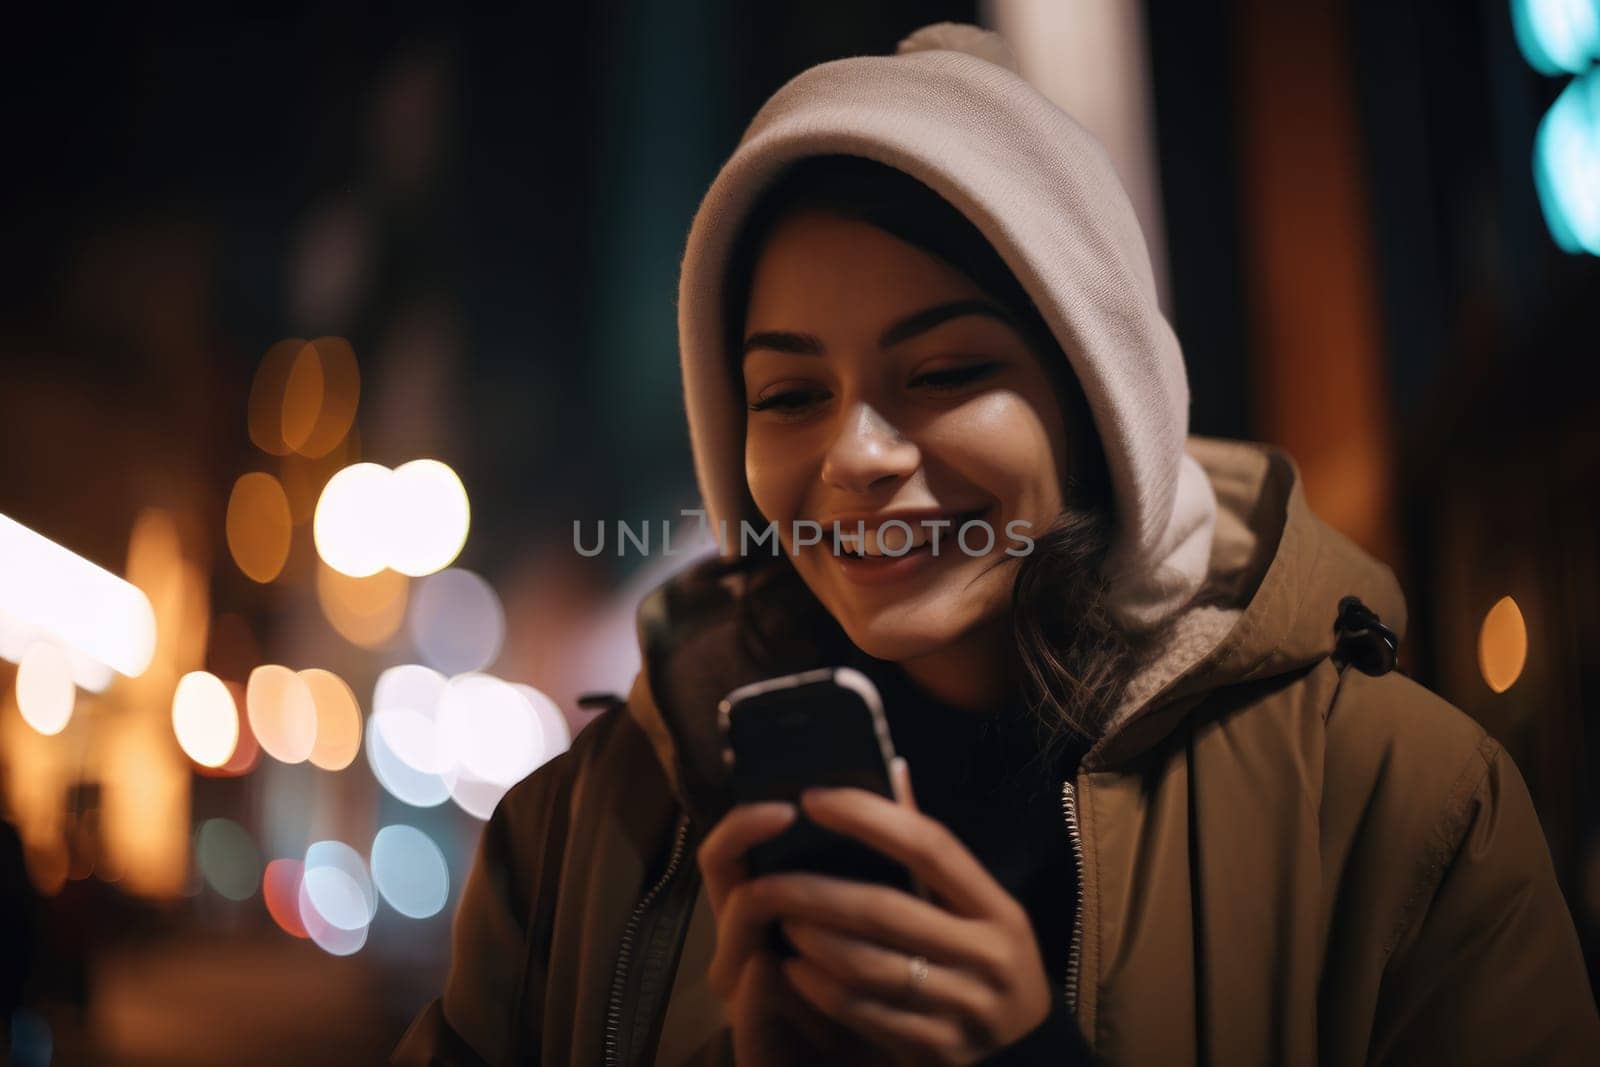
[[1275, 576], [1044, 194]]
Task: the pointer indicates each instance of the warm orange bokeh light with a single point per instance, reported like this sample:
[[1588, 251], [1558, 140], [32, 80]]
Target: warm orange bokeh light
[[338, 720], [364, 611], [281, 712], [320, 397], [259, 526], [1502, 645], [265, 415]]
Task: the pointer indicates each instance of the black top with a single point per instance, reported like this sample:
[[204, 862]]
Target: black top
[[982, 775]]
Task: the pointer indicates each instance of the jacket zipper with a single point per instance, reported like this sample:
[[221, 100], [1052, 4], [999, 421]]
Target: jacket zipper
[[619, 979], [1069, 809]]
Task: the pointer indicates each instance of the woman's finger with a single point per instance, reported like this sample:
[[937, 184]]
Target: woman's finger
[[743, 923], [923, 844], [721, 854], [884, 974], [936, 1037], [878, 913]]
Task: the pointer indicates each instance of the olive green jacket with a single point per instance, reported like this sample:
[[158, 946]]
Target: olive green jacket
[[1283, 859]]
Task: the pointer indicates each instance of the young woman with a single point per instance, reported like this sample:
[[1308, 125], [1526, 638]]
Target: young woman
[[1170, 798]]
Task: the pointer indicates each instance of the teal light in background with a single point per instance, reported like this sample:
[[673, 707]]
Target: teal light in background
[[1566, 166], [1563, 37], [1557, 36]]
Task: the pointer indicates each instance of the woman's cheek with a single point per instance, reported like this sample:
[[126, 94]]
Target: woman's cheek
[[772, 480], [999, 444]]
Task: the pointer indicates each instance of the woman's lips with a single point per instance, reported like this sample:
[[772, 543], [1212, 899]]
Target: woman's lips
[[885, 569]]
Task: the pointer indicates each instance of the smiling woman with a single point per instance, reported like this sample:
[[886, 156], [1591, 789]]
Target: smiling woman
[[1171, 802]]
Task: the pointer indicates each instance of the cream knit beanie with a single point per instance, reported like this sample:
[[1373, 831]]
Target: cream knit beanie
[[949, 110]]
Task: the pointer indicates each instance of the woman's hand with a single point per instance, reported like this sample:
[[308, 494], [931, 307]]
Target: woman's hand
[[984, 985], [773, 1025]]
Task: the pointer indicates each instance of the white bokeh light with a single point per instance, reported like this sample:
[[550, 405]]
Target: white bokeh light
[[431, 517], [557, 734], [489, 729], [45, 692], [205, 719], [413, 519], [403, 746], [334, 940], [16, 637], [410, 871], [336, 881], [84, 606], [354, 520], [457, 622]]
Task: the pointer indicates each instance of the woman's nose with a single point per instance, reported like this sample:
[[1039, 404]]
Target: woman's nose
[[869, 452]]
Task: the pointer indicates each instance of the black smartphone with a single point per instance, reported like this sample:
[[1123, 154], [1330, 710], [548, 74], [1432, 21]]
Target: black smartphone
[[817, 728]]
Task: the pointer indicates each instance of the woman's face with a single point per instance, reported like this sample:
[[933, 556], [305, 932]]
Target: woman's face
[[883, 384]]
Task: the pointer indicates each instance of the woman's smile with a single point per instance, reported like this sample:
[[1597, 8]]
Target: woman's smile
[[900, 545]]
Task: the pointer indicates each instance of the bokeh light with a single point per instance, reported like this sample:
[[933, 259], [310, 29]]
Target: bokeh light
[[489, 730], [1566, 166], [474, 796], [410, 871], [45, 693], [338, 736], [205, 719], [364, 611], [420, 789], [320, 397], [259, 526], [557, 732], [336, 881], [75, 602], [1502, 645], [431, 517], [16, 637], [334, 940], [280, 891], [413, 520], [1557, 36], [403, 745], [353, 520], [265, 414], [227, 858], [457, 622], [247, 751], [281, 712]]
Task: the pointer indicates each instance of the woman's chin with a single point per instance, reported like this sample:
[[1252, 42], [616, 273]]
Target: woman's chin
[[901, 639]]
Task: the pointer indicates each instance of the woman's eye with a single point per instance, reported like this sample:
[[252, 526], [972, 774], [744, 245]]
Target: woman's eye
[[785, 401], [955, 377]]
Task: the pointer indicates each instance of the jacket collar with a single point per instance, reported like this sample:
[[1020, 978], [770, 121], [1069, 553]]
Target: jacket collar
[[1276, 575]]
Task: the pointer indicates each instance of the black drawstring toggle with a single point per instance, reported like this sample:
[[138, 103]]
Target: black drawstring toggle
[[1363, 642]]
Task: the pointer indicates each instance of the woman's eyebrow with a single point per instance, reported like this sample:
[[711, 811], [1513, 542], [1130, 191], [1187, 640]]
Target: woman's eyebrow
[[805, 344], [926, 319]]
